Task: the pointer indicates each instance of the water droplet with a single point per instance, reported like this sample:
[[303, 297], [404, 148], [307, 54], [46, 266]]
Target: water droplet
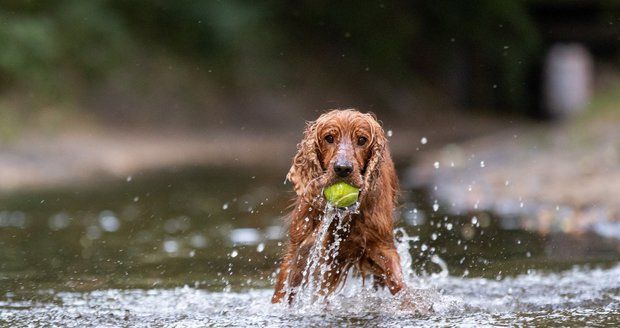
[[171, 246], [225, 206], [108, 221], [234, 253], [389, 133], [247, 236], [423, 140], [274, 232], [436, 165], [260, 248]]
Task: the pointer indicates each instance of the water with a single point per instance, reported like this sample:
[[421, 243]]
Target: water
[[198, 247], [335, 224]]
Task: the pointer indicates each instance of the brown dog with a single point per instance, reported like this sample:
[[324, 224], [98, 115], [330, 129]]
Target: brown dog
[[342, 145]]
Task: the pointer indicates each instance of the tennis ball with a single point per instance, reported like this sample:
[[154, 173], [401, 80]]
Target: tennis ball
[[341, 194]]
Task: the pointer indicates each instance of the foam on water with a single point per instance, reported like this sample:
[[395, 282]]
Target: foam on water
[[576, 296]]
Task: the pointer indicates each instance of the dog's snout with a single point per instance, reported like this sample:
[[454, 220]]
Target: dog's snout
[[343, 169]]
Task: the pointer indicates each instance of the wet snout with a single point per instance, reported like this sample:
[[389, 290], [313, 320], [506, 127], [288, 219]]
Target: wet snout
[[343, 168], [344, 161]]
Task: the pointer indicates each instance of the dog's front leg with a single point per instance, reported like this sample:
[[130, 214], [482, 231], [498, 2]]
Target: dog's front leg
[[280, 288], [290, 275], [386, 265], [291, 269]]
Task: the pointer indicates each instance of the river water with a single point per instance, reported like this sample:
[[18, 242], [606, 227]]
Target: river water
[[198, 247]]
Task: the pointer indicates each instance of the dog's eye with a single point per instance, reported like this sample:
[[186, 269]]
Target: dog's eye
[[361, 141], [329, 138]]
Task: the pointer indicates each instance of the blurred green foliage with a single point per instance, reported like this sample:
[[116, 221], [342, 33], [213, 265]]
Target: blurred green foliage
[[45, 43]]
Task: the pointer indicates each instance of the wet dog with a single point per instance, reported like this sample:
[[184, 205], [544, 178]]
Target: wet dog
[[350, 146]]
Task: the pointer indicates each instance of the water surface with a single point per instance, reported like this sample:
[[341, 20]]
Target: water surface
[[197, 247]]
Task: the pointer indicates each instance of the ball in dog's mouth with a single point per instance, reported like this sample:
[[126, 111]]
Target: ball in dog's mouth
[[341, 194]]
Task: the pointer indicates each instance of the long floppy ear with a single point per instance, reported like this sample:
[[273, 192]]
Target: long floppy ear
[[306, 163], [380, 175]]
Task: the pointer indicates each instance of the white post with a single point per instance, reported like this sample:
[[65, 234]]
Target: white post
[[567, 80]]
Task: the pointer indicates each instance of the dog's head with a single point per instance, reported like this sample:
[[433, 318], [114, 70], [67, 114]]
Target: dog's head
[[341, 145]]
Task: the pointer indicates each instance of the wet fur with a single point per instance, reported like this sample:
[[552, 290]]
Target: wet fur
[[369, 245]]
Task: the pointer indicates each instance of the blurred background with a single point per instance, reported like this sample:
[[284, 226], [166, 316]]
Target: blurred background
[[224, 65], [145, 143]]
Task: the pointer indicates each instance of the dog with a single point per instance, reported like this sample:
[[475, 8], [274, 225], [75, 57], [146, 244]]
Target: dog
[[350, 146]]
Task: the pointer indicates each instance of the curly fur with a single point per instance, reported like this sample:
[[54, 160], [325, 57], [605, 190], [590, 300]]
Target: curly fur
[[369, 244]]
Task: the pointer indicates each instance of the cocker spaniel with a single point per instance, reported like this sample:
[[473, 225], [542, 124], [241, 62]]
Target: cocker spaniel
[[350, 146]]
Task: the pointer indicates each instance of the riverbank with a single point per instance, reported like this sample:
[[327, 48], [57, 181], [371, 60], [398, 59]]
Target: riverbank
[[83, 156], [35, 162], [562, 177]]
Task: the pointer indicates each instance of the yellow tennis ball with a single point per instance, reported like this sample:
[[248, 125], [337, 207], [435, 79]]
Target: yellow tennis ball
[[341, 194]]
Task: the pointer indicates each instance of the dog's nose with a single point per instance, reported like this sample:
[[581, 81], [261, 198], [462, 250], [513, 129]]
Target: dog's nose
[[343, 169]]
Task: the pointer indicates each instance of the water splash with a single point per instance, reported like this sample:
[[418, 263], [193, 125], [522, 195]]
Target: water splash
[[313, 295], [568, 298], [583, 294], [322, 257]]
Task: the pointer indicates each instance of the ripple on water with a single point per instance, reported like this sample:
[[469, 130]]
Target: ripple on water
[[580, 295]]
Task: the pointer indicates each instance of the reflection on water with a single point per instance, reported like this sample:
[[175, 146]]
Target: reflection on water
[[122, 250], [161, 229]]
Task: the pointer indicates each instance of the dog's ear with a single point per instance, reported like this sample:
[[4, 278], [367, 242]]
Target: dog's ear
[[306, 163], [380, 174]]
